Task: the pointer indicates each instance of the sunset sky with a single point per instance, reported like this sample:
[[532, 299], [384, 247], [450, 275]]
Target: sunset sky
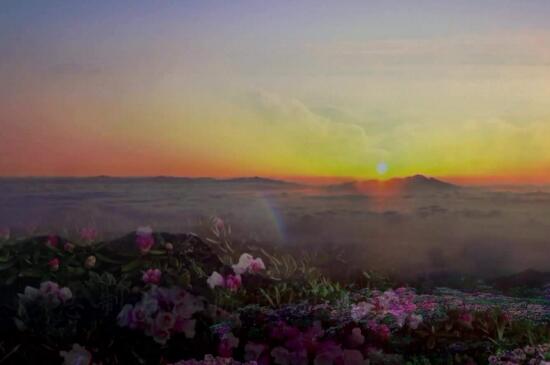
[[309, 89]]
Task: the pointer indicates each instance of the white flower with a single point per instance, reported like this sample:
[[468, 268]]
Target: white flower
[[144, 231], [65, 294], [123, 317], [77, 356], [414, 321], [49, 287], [243, 264], [215, 280], [31, 293]]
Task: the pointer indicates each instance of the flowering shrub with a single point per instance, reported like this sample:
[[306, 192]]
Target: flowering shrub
[[532, 355], [160, 298], [211, 360], [50, 294], [161, 313]]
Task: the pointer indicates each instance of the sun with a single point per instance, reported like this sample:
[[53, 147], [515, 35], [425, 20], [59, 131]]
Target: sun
[[381, 168]]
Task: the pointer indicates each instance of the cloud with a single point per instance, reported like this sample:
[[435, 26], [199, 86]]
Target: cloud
[[314, 141], [519, 48]]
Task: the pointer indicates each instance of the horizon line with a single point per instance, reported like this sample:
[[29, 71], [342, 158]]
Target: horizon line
[[312, 180]]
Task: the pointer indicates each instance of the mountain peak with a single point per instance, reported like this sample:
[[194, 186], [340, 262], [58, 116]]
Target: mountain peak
[[409, 184]]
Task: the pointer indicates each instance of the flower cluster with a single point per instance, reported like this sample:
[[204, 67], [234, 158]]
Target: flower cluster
[[246, 264], [152, 276], [398, 304], [161, 313], [49, 293], [211, 360], [515, 308], [531, 355]]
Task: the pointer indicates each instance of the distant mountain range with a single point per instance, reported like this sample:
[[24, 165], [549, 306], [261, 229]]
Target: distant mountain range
[[411, 184], [416, 183], [254, 180]]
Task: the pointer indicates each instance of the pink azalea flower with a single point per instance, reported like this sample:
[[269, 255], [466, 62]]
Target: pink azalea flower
[[49, 287], [52, 241], [256, 265], [253, 351], [54, 264], [356, 338], [281, 356], [327, 353], [244, 263], [160, 335], [353, 357], [215, 279], [152, 276], [69, 247], [233, 282], [218, 225], [124, 318], [247, 263], [414, 321], [360, 310], [466, 319], [65, 294], [88, 234], [185, 326], [144, 239], [165, 321], [227, 344], [169, 247]]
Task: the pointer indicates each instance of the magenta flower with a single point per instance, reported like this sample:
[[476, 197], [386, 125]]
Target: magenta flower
[[69, 247], [257, 265], [414, 321], [54, 264], [227, 343], [152, 276], [356, 338], [52, 241], [233, 282], [144, 239]]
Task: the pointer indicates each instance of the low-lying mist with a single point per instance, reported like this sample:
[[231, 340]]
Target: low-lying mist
[[415, 230]]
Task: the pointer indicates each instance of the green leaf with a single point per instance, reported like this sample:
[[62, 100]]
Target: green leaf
[[157, 252], [31, 273], [104, 258], [132, 265], [6, 265], [5, 257]]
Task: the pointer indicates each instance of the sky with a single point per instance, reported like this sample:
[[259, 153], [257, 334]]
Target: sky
[[289, 89]]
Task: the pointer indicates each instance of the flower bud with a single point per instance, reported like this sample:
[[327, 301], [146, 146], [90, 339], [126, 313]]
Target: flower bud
[[90, 262]]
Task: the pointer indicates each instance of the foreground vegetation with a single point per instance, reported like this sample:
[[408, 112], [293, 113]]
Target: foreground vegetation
[[158, 298]]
